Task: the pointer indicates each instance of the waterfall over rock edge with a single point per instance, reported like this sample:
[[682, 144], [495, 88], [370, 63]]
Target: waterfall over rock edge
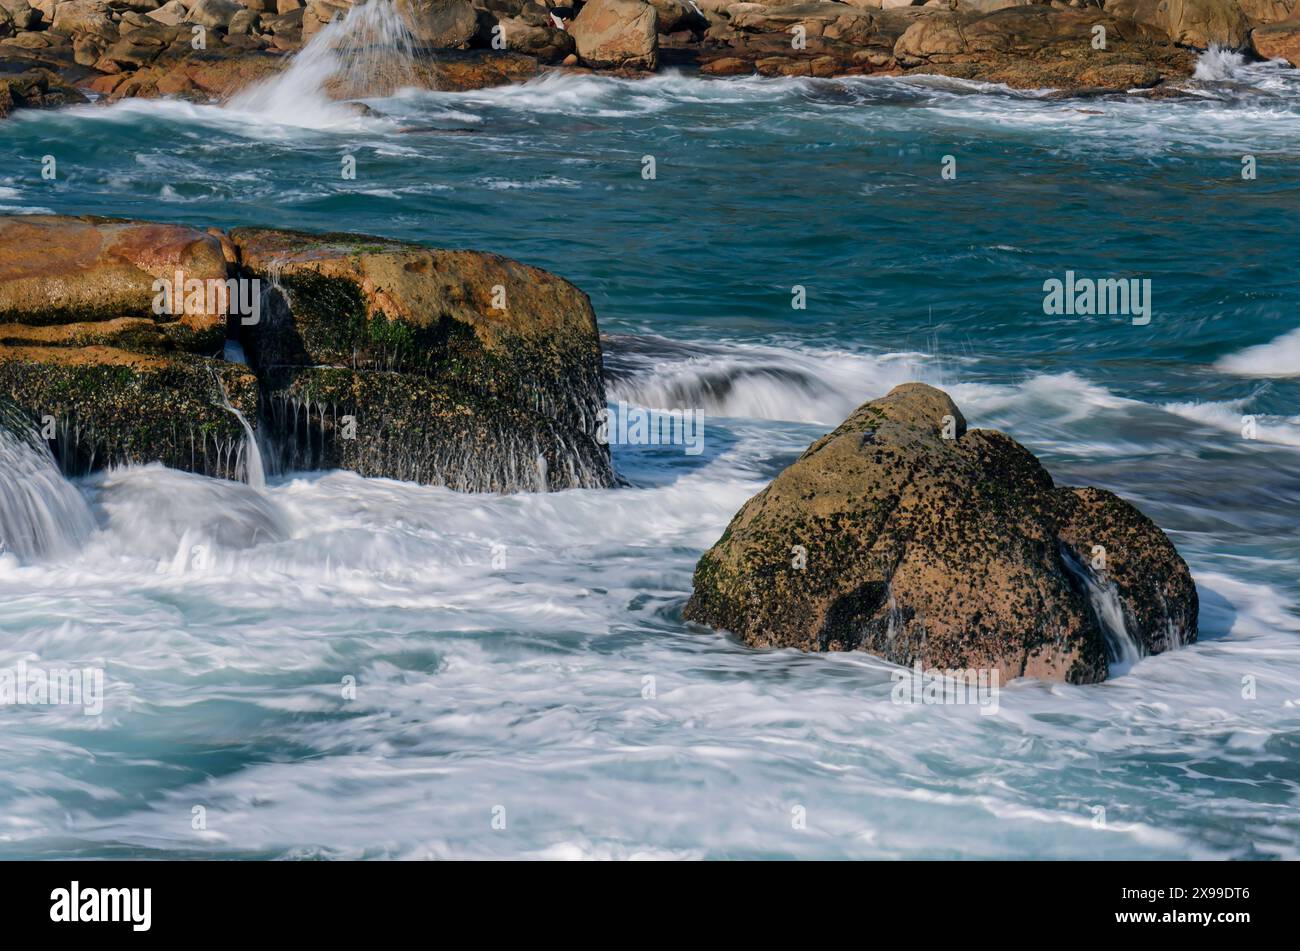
[[42, 515]]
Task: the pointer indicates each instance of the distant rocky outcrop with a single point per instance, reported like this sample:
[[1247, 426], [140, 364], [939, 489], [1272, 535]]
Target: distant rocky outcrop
[[49, 49], [455, 368], [904, 534]]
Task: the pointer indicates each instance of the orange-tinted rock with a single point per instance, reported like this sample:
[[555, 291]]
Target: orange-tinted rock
[[56, 269], [1278, 41], [622, 33]]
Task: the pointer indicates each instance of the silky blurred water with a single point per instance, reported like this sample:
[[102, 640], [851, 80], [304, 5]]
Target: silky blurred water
[[521, 661]]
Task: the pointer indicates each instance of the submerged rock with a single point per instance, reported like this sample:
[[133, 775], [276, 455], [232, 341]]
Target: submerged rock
[[449, 367], [906, 535]]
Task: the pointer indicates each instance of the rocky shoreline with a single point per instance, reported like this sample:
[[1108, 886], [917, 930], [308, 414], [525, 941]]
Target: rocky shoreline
[[58, 52]]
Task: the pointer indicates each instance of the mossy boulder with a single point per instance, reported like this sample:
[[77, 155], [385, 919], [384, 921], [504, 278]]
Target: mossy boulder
[[408, 426], [906, 535], [475, 333], [453, 367]]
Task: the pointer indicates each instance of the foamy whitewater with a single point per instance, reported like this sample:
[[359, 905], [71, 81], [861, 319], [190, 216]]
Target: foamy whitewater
[[332, 666]]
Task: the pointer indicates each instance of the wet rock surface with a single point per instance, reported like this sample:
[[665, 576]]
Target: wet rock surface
[[904, 534], [456, 368]]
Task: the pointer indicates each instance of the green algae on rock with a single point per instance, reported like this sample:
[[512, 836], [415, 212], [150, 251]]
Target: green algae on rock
[[906, 535], [103, 407], [456, 368], [460, 350]]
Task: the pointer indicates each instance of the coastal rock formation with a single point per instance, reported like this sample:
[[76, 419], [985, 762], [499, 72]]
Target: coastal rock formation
[[1041, 47], [904, 534], [516, 348], [1022, 45], [1278, 41], [1267, 11], [621, 33], [441, 24], [212, 49], [1194, 23], [21, 87], [447, 367], [57, 271]]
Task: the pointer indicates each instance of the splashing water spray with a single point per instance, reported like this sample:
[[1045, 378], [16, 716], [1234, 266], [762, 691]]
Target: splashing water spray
[[42, 515], [370, 52]]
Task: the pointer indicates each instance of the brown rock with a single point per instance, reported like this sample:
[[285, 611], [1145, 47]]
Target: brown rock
[[171, 13], [1203, 23], [317, 13], [1041, 47], [726, 66], [88, 48], [478, 365], [1195, 23], [833, 20], [674, 15], [906, 535], [1267, 11], [29, 41], [20, 14], [1278, 41], [74, 17], [35, 89], [620, 33], [545, 42], [57, 270], [441, 24], [213, 14]]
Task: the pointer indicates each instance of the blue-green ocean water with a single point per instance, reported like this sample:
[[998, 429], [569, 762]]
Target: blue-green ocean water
[[561, 690]]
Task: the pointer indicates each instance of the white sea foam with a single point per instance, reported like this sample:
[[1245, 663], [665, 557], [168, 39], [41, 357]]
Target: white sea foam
[[521, 689], [762, 381], [500, 645], [41, 514], [1229, 416], [1277, 358]]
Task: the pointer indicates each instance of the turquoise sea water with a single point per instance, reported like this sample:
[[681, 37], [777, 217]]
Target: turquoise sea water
[[520, 689]]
